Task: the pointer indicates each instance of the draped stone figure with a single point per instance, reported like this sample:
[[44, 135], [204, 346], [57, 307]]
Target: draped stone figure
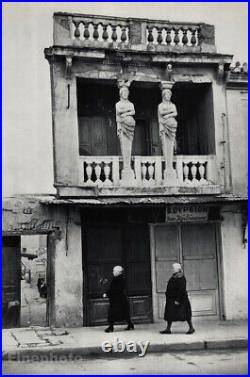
[[167, 128], [125, 130]]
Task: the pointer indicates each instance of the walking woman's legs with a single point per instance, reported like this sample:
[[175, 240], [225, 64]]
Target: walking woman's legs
[[110, 328], [168, 329], [191, 328], [130, 324], [169, 325]]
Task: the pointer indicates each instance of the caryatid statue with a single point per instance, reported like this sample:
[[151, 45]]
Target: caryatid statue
[[125, 129], [167, 127]]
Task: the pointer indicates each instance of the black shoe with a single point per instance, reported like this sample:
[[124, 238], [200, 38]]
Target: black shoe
[[165, 331], [190, 331], [130, 327], [109, 329]]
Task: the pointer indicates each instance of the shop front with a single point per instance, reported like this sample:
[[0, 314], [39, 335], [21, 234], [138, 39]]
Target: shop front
[[146, 242]]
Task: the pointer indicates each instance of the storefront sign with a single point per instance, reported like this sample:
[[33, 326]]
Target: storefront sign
[[187, 213]]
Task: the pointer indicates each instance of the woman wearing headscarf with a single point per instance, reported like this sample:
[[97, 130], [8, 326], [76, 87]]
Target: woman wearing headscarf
[[178, 306], [119, 305]]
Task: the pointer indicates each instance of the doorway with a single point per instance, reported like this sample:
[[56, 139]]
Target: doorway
[[107, 245], [25, 281], [33, 280], [195, 247]]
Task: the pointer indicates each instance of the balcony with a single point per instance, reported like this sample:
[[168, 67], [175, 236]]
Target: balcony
[[102, 175], [79, 30]]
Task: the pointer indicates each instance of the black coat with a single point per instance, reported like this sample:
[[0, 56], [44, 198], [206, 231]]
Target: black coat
[[176, 291], [119, 305]]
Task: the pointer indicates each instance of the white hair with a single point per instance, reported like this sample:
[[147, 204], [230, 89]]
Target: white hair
[[117, 270], [177, 266]]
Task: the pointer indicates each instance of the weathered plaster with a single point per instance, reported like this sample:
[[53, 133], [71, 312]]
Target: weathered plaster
[[237, 110], [68, 269], [234, 265]]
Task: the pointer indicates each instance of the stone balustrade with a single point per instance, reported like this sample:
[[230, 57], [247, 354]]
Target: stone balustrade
[[173, 34], [105, 171], [79, 30]]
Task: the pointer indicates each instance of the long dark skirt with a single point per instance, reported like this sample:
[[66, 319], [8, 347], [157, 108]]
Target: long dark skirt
[[118, 309], [174, 313]]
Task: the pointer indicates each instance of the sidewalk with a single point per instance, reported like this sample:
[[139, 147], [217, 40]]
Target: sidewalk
[[40, 341]]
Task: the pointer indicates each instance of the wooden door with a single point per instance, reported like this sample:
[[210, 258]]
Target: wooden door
[[193, 245], [166, 252], [200, 266], [138, 271], [11, 281], [104, 251], [92, 136], [140, 146], [110, 245]]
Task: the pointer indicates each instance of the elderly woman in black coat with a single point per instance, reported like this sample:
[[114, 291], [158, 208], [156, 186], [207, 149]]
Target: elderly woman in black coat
[[178, 306], [119, 305]]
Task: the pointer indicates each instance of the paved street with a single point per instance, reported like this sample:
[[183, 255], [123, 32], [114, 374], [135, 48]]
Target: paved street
[[197, 362]]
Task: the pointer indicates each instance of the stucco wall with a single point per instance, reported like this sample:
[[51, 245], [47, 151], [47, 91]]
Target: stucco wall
[[234, 265], [238, 137], [68, 270]]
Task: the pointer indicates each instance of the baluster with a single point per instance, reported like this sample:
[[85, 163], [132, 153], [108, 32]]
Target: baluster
[[114, 34], [98, 171], [158, 170], [193, 38], [115, 170], [159, 37], [107, 171], [144, 172], [176, 37], [105, 34], [89, 170], [151, 170], [185, 38], [95, 33], [77, 31], [179, 169], [194, 173], [168, 36], [123, 35], [186, 172], [86, 33], [150, 35], [137, 168], [202, 173]]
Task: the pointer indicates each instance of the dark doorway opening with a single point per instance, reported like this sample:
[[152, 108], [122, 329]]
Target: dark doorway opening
[[24, 281]]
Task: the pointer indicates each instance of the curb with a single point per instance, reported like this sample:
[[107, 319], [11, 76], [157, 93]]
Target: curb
[[52, 353]]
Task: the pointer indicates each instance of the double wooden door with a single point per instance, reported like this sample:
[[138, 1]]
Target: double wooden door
[[116, 244], [195, 247]]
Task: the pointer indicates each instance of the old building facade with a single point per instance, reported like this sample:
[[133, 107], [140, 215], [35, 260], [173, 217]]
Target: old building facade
[[147, 122]]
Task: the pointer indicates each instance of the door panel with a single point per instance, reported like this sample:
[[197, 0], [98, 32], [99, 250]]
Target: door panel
[[200, 266], [92, 136], [166, 238], [140, 308], [105, 243], [138, 278], [198, 240], [194, 245], [11, 281], [140, 146], [166, 253], [204, 303], [110, 245]]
